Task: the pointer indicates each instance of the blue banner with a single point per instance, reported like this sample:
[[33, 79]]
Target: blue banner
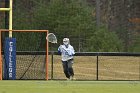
[[10, 59]]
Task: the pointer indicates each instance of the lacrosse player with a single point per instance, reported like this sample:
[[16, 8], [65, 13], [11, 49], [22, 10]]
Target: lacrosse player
[[67, 53]]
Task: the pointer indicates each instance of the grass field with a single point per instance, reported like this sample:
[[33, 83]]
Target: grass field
[[69, 86]]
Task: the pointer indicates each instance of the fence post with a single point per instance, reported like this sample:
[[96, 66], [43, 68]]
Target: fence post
[[97, 68], [139, 70], [52, 61]]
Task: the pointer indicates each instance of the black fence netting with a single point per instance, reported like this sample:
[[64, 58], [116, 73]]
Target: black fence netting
[[99, 66], [28, 65]]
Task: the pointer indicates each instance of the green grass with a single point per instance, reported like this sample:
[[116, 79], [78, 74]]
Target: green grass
[[69, 86]]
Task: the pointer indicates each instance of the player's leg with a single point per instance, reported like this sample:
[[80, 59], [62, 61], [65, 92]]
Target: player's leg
[[70, 68], [65, 69]]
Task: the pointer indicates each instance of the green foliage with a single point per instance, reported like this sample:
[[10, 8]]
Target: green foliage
[[135, 47], [29, 41], [22, 15], [2, 23], [104, 41], [66, 18]]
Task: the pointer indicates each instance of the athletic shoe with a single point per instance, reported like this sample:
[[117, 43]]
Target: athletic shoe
[[72, 78], [68, 79]]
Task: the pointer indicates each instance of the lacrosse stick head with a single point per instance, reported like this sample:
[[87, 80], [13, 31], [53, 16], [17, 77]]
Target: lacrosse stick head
[[51, 38]]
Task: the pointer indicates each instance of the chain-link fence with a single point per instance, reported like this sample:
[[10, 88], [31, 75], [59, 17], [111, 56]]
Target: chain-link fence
[[98, 66]]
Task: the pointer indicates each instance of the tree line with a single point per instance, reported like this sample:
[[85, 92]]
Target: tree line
[[74, 19]]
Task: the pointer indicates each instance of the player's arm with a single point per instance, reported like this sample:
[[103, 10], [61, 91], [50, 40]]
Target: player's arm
[[71, 52], [60, 49]]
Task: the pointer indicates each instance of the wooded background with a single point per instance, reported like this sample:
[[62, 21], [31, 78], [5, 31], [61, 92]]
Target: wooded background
[[91, 25]]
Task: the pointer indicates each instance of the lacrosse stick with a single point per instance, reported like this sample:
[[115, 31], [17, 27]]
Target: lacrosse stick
[[51, 38]]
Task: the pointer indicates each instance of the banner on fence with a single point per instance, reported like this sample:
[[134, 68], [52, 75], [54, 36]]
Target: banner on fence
[[10, 59]]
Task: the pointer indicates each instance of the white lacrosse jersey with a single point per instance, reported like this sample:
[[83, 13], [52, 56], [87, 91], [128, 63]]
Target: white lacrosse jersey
[[66, 52]]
